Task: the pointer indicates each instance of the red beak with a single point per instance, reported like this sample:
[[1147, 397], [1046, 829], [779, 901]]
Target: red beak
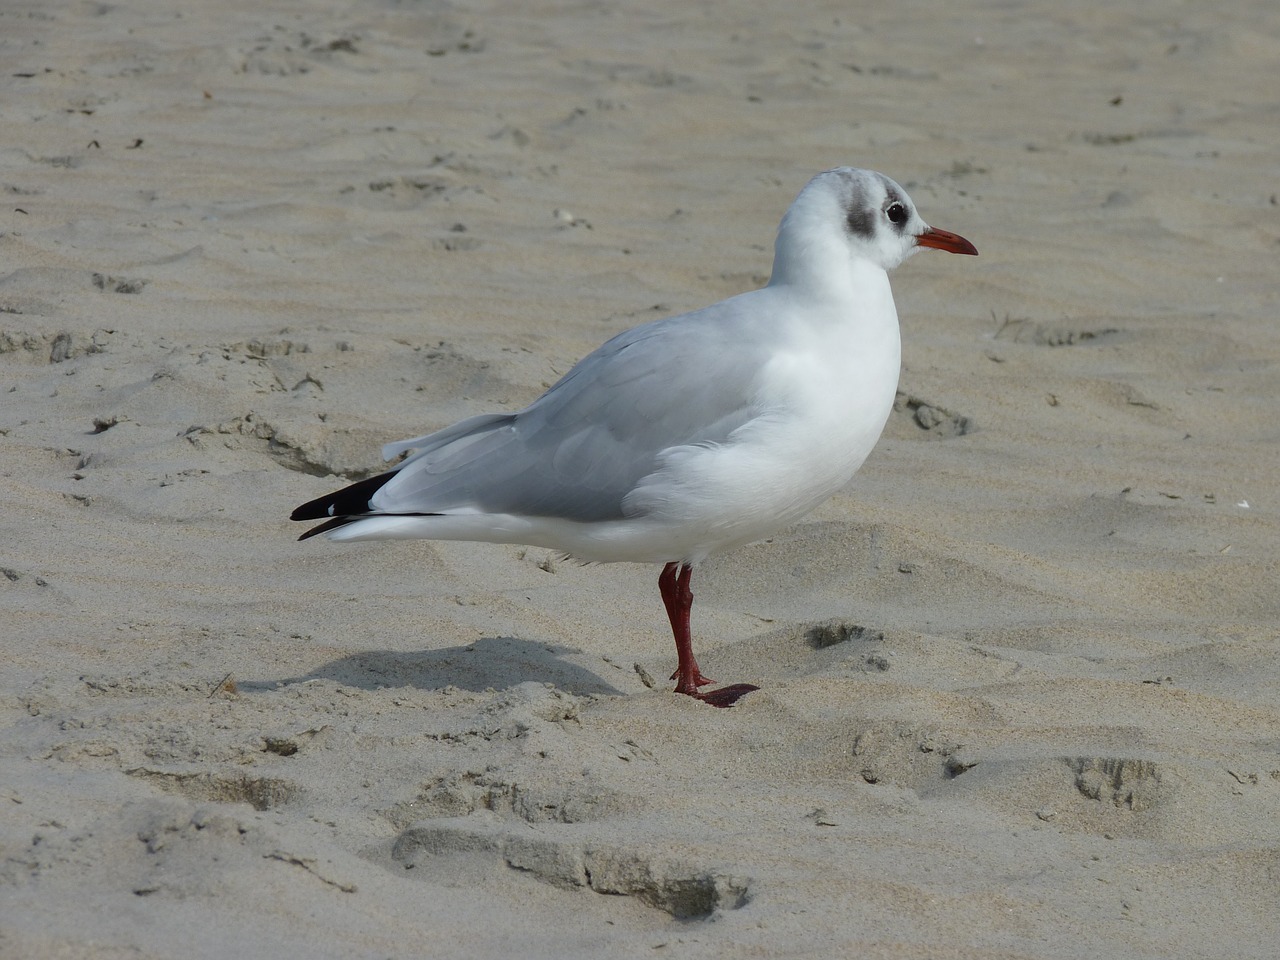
[[946, 240]]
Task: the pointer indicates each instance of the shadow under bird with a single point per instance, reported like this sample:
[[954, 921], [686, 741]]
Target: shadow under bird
[[684, 437]]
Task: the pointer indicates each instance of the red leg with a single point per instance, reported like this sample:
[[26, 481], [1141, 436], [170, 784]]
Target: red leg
[[677, 596]]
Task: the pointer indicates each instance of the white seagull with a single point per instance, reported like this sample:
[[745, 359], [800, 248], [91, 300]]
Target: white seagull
[[684, 437]]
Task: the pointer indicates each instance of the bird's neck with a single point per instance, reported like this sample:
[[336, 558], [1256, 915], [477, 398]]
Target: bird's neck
[[818, 262], [829, 274]]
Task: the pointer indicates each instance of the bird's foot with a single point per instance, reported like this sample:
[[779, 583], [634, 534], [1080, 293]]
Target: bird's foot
[[724, 697], [698, 680]]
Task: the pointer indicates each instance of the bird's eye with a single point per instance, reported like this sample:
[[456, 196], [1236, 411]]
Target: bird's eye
[[896, 212]]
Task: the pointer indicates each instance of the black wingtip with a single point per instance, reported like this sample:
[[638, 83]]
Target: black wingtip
[[304, 512], [348, 502], [332, 524]]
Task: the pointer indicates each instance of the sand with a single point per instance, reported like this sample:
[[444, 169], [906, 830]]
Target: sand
[[1019, 680]]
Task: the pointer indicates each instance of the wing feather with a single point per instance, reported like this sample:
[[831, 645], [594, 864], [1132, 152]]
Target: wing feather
[[578, 450]]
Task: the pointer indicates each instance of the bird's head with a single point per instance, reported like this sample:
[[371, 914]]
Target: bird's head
[[859, 214]]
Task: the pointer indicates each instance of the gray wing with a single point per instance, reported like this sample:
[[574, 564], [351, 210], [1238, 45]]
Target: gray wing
[[578, 450]]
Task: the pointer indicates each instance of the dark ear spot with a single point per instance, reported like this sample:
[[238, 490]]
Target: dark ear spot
[[862, 222]]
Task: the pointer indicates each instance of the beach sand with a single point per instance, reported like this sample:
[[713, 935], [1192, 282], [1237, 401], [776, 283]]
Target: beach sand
[[1019, 681]]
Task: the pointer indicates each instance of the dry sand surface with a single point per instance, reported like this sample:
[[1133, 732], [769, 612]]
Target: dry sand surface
[[1019, 680]]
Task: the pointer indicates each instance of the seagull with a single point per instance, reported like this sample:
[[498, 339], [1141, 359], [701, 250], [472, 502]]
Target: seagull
[[685, 437]]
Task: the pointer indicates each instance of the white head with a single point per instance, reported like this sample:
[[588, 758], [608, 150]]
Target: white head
[[849, 214]]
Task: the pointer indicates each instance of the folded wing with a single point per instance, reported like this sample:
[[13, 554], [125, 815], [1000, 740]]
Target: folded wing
[[577, 451]]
